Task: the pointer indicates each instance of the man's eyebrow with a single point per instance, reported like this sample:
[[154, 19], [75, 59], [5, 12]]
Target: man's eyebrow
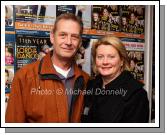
[[73, 34], [69, 33]]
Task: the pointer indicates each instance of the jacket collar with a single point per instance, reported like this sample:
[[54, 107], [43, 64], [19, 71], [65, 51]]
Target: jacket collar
[[124, 81], [47, 71]]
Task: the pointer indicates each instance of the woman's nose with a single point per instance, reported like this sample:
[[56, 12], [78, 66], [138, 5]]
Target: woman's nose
[[105, 60]]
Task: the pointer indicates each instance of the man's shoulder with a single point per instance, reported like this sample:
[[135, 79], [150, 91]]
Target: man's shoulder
[[28, 69], [83, 73]]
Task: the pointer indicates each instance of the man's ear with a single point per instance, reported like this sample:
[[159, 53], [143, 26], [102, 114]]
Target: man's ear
[[52, 37], [80, 43]]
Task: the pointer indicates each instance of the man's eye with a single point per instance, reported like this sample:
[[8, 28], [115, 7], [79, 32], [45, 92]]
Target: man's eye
[[75, 37], [62, 35]]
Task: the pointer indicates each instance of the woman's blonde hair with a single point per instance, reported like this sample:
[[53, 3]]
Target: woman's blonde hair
[[117, 44]]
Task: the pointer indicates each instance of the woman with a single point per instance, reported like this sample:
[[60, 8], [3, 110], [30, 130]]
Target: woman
[[117, 96]]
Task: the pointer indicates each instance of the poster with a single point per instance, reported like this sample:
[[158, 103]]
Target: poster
[[137, 64], [9, 74], [33, 23], [35, 17], [28, 48], [82, 11], [132, 18], [106, 17], [9, 18], [84, 54], [9, 53]]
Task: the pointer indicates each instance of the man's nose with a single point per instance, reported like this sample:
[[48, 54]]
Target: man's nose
[[69, 40]]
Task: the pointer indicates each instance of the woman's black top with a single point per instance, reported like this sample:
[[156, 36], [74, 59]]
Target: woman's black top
[[123, 100]]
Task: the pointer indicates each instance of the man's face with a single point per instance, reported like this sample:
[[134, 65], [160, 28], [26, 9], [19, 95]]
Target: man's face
[[123, 21], [138, 55], [95, 17], [66, 40], [132, 17], [114, 7]]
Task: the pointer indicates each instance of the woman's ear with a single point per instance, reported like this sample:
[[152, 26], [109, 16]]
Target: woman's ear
[[122, 63]]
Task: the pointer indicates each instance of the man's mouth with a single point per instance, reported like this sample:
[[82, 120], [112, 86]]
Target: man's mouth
[[68, 49]]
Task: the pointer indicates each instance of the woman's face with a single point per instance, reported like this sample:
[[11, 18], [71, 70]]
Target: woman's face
[[132, 17], [132, 64], [108, 61], [105, 12], [124, 22]]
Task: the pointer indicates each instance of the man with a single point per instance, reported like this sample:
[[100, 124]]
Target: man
[[96, 21], [124, 26], [50, 90]]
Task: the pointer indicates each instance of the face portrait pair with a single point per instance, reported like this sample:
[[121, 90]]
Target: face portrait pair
[[66, 41]]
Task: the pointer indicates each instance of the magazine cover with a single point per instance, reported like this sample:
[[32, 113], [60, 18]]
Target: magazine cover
[[133, 21], [140, 12], [9, 53], [137, 64], [124, 13], [9, 74], [26, 12], [93, 72], [83, 11], [106, 17], [35, 17], [29, 48], [9, 22], [36, 13], [9, 62], [102, 23], [135, 48], [132, 18], [84, 54], [114, 17]]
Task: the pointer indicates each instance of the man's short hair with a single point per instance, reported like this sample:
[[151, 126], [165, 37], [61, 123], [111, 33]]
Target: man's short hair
[[68, 16]]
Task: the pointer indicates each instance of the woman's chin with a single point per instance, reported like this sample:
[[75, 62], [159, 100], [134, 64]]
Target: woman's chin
[[105, 73]]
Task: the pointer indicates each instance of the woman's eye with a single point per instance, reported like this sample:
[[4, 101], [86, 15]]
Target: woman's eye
[[99, 57], [111, 56]]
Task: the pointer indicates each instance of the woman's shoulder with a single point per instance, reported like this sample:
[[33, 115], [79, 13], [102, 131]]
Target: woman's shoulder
[[95, 82], [133, 86]]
